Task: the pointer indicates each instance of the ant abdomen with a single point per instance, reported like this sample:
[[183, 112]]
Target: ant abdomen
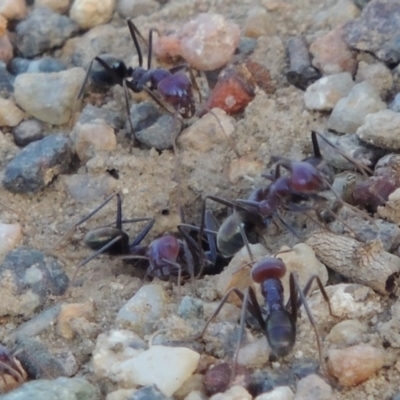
[[100, 237], [280, 330]]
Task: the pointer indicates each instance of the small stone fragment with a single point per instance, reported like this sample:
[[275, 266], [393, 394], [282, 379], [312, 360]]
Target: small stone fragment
[[10, 236], [20, 65], [331, 54], [323, 94], [13, 9], [259, 22], [27, 132], [113, 348], [6, 49], [391, 210], [37, 165], [350, 112], [355, 364], [381, 129], [136, 8], [313, 387], [234, 393], [90, 13], [337, 15], [70, 313], [278, 393], [347, 332], [301, 73], [60, 388], [208, 41], [43, 30], [234, 90], [144, 309], [49, 97], [377, 74], [59, 6], [27, 278], [205, 133], [376, 31], [166, 367], [91, 138], [10, 114]]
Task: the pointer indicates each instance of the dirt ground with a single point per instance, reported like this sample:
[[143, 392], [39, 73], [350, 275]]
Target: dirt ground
[[275, 124]]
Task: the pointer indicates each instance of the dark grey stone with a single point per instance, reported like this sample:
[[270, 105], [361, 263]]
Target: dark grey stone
[[20, 65], [27, 132], [38, 164], [114, 119], [43, 30]]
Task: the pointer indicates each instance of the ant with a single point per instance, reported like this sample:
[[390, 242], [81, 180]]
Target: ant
[[279, 324], [165, 255], [306, 179], [169, 88]]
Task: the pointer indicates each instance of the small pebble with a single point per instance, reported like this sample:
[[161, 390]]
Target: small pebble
[[27, 278], [113, 118], [13, 9], [160, 135], [350, 112], [259, 22], [60, 388], [323, 94], [37, 164], [166, 367], [395, 104], [255, 354], [45, 64], [190, 307], [121, 394], [376, 30], [10, 114], [381, 129], [10, 237], [377, 74], [234, 393], [391, 210], [279, 393], [205, 133], [234, 90], [91, 138], [43, 30], [59, 6], [113, 348], [149, 393], [27, 132], [389, 330], [355, 364], [6, 49], [88, 188], [90, 13], [144, 309], [313, 387], [331, 54], [347, 332], [208, 41], [49, 97], [136, 8], [70, 313], [337, 15], [37, 360]]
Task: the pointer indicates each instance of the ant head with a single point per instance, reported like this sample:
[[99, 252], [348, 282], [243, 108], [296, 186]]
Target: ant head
[[268, 267], [305, 178]]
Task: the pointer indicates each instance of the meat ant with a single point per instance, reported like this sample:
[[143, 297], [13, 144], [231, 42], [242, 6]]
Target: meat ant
[[167, 256], [306, 180]]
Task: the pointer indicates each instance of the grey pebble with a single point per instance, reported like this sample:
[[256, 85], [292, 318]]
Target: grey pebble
[[27, 278], [60, 389], [136, 8], [190, 308], [113, 118], [377, 30], [160, 135], [43, 30], [6, 81], [148, 393], [20, 65], [36, 166], [27, 132], [143, 115], [36, 359], [395, 104]]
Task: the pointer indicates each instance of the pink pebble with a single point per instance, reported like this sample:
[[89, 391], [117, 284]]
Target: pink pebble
[[355, 364], [209, 41]]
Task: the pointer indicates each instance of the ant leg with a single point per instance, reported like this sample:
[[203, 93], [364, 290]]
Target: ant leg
[[128, 111], [143, 232], [135, 31], [295, 290], [84, 219], [190, 264]]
